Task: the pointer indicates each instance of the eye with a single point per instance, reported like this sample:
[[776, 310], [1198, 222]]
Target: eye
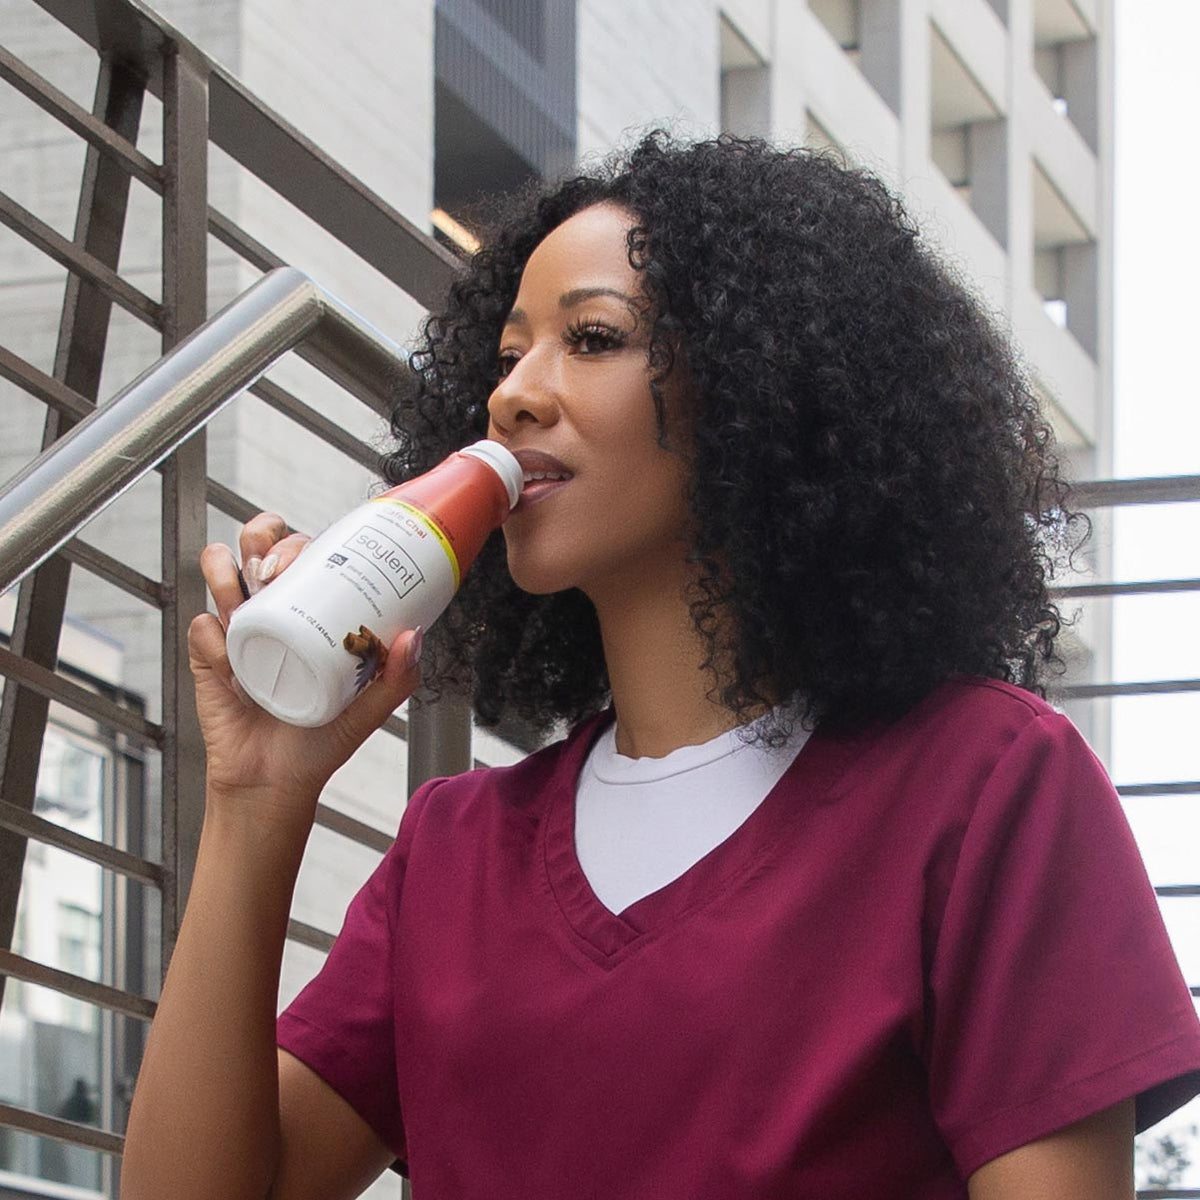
[[506, 362], [594, 337]]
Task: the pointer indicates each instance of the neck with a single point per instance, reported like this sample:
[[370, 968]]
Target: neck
[[654, 655]]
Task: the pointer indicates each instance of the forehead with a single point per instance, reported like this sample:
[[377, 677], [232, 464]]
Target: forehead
[[588, 250]]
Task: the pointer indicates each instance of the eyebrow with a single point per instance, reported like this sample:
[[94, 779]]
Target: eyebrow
[[570, 299]]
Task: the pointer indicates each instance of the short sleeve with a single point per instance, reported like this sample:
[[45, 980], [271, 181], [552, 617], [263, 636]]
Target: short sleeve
[[342, 1023], [1054, 991]]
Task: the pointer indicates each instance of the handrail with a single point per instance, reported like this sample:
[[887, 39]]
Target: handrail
[[108, 452]]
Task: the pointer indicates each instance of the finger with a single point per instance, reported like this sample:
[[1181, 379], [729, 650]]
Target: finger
[[260, 571], [220, 571], [206, 645], [400, 678], [208, 656], [259, 534], [255, 541]]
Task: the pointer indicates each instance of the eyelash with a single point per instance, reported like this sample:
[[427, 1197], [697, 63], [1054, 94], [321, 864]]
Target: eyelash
[[579, 331], [575, 335]]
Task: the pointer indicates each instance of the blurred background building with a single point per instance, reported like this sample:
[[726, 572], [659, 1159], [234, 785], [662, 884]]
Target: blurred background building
[[994, 118]]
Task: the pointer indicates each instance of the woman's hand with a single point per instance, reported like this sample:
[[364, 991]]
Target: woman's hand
[[250, 751]]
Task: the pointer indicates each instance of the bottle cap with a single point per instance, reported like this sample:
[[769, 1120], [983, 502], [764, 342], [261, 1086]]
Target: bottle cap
[[503, 463]]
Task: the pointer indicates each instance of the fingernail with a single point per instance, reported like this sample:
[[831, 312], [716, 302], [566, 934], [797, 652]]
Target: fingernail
[[250, 574], [267, 569], [412, 655]]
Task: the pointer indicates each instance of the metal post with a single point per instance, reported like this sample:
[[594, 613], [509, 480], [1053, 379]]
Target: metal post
[[185, 511], [82, 335], [439, 739]]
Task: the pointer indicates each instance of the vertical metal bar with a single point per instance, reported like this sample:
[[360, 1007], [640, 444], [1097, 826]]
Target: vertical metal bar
[[131, 929], [439, 740], [79, 356], [184, 485]]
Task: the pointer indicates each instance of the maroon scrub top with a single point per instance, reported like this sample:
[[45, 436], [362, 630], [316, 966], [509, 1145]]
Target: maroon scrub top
[[933, 942]]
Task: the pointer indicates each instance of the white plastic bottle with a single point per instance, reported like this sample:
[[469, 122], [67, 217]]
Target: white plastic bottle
[[312, 639]]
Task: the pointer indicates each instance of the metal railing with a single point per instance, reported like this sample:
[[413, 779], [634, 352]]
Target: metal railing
[[91, 454], [1122, 493], [118, 443]]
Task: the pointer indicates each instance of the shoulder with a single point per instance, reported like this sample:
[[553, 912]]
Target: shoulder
[[969, 719], [989, 707], [971, 742]]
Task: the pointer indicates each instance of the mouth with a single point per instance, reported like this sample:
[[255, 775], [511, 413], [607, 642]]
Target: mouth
[[542, 476], [538, 487]]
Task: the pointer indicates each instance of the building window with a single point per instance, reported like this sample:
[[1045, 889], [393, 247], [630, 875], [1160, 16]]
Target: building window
[[504, 105], [968, 137], [1065, 58], [843, 19], [1064, 263], [745, 85], [54, 1048], [868, 31]]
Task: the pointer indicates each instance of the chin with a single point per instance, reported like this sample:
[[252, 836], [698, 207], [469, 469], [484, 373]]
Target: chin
[[537, 578]]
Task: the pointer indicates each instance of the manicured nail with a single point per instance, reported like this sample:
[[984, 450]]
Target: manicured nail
[[412, 655], [250, 574], [268, 567]]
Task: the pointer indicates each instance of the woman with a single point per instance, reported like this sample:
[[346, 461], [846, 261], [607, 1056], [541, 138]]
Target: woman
[[817, 898]]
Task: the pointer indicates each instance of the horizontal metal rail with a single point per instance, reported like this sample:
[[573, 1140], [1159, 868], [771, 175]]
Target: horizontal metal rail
[[103, 855], [241, 243], [309, 935], [1153, 687], [71, 1132], [1150, 587], [110, 450], [99, 708], [64, 252], [78, 120], [1191, 788], [63, 400], [50, 391], [105, 567], [353, 829], [88, 990], [1118, 493], [313, 422]]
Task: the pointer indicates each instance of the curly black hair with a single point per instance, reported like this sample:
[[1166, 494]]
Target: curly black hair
[[877, 502]]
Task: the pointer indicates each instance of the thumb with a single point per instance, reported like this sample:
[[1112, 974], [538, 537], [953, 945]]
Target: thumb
[[400, 678]]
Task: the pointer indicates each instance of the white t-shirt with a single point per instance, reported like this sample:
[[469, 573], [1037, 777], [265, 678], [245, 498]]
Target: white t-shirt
[[642, 822]]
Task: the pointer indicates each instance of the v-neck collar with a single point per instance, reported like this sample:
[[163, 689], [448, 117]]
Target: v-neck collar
[[608, 937]]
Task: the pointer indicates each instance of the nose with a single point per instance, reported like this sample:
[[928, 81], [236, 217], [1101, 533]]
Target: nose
[[527, 395]]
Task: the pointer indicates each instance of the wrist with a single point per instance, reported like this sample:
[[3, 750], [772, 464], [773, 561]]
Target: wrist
[[260, 811]]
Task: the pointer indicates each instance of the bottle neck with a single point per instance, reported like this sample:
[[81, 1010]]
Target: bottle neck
[[466, 499]]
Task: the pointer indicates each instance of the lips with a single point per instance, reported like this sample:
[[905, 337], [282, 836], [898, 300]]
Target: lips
[[543, 474]]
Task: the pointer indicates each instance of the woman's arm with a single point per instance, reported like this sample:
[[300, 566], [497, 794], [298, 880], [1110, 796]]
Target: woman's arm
[[1090, 1160], [205, 1115], [217, 1110]]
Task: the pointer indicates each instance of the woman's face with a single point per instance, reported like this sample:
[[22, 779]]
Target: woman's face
[[575, 388]]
